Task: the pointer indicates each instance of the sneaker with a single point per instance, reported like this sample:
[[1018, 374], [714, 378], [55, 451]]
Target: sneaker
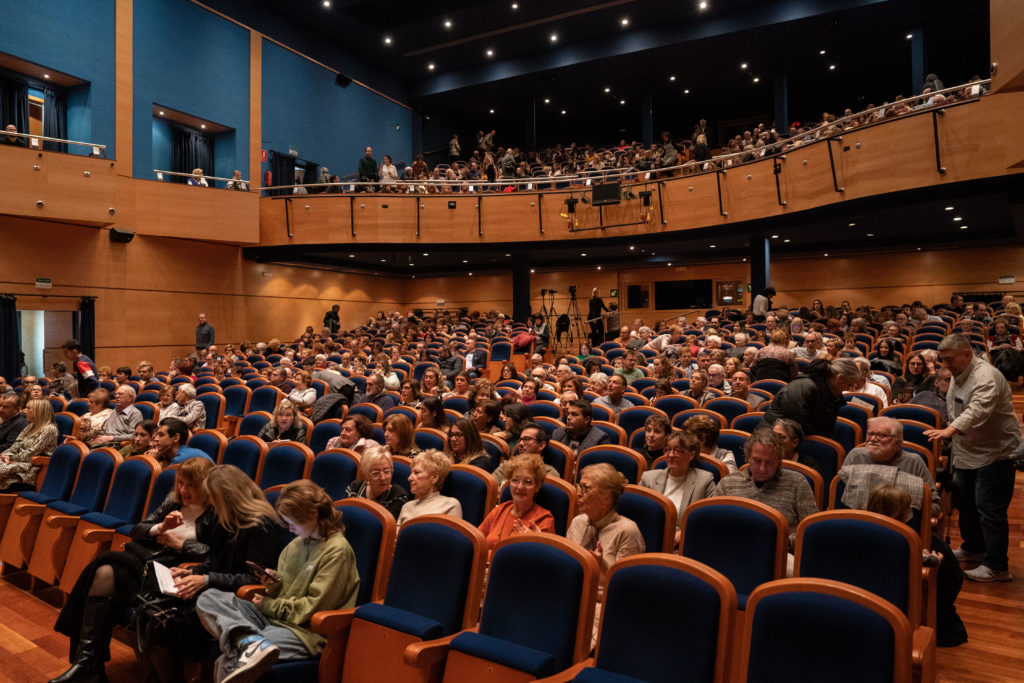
[[988, 575], [256, 656], [962, 555]]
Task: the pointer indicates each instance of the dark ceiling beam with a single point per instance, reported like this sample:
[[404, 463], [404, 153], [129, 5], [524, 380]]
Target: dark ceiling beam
[[768, 14]]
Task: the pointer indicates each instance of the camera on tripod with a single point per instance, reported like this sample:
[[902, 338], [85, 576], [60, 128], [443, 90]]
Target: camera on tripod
[[572, 291]]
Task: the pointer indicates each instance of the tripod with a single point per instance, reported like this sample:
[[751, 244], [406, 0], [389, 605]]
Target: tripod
[[548, 312], [576, 331]]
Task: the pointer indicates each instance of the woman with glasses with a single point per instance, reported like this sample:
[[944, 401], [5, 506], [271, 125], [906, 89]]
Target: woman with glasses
[[521, 514], [599, 528], [680, 481], [915, 379], [465, 446], [377, 469]]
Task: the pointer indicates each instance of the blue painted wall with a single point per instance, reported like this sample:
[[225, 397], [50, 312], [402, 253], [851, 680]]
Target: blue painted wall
[[191, 60], [76, 38], [161, 145], [305, 109]]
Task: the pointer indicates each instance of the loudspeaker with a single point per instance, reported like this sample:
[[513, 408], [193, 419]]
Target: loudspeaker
[[343, 80], [121, 235]]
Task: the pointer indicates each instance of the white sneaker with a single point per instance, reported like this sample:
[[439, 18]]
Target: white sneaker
[[962, 555], [256, 656], [988, 575]]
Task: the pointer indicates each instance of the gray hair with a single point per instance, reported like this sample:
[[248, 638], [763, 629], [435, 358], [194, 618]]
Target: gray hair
[[845, 367], [371, 456], [956, 342], [188, 389], [897, 426], [598, 378], [130, 389]]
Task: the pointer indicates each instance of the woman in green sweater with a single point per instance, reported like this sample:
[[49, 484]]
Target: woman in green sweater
[[315, 572]]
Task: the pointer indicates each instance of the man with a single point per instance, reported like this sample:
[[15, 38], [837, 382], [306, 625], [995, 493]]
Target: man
[[812, 348], [629, 372], [12, 138], [703, 359], [656, 431], [624, 336], [367, 170], [120, 426], [716, 379], [145, 371], [204, 334], [236, 182], [985, 433], [766, 481], [168, 443], [741, 389], [187, 408], [475, 360], [884, 446], [613, 399], [12, 421], [332, 321], [279, 379], [375, 393], [85, 369], [578, 433], [563, 373]]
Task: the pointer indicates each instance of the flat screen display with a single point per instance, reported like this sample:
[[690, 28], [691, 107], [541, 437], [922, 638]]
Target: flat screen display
[[673, 294], [606, 193]]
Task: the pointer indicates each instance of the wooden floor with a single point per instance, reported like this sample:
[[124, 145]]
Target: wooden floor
[[30, 650]]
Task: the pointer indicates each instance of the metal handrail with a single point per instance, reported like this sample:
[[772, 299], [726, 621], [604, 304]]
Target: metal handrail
[[190, 175], [102, 149]]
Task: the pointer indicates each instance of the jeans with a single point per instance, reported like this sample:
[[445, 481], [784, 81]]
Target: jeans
[[985, 495]]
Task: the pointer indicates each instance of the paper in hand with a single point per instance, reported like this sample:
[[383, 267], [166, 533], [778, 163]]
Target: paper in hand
[[164, 579]]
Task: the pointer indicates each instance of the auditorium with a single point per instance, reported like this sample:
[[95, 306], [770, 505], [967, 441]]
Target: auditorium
[[357, 341]]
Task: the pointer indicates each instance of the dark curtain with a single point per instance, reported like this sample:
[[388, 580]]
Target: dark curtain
[[87, 326], [14, 103], [190, 149], [10, 338], [282, 170], [312, 175], [55, 118]]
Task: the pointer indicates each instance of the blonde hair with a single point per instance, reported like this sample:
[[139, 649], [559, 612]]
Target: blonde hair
[[194, 472], [284, 405], [42, 414], [240, 503], [608, 479], [434, 462], [528, 461]]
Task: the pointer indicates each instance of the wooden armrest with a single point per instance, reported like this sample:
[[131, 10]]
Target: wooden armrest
[[8, 498], [40, 460], [29, 509], [97, 535], [922, 654], [930, 577], [568, 674], [247, 592], [278, 487], [58, 521], [429, 652], [330, 622], [188, 565]]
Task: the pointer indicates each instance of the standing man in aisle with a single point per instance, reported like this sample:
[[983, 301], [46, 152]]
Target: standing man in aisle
[[984, 430], [332, 321], [594, 311], [368, 172], [85, 369], [204, 335]]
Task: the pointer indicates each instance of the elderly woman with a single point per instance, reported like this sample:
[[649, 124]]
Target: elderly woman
[[399, 435], [377, 468], [598, 527], [91, 424], [521, 514], [356, 434], [698, 390], [465, 446], [285, 425], [39, 437], [165, 398], [680, 481], [429, 470], [707, 430], [187, 408], [485, 416], [791, 434], [303, 395], [409, 394]]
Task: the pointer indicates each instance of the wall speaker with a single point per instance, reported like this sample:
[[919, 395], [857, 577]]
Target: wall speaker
[[121, 235], [343, 80]]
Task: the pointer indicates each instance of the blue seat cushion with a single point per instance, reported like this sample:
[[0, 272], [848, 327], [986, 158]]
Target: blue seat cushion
[[36, 497], [67, 508], [515, 656], [592, 675], [104, 520], [423, 628], [125, 529]]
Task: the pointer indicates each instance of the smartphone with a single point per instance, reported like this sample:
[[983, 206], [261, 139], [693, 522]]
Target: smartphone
[[257, 568]]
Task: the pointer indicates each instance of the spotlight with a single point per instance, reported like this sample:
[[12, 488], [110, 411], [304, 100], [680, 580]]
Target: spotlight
[[570, 204]]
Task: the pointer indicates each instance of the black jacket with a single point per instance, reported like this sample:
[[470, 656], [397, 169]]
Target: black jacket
[[808, 400], [225, 564]]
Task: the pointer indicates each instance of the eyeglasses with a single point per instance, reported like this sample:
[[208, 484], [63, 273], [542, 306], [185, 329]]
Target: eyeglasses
[[880, 435], [527, 438], [455, 435], [521, 482], [584, 488], [380, 474]]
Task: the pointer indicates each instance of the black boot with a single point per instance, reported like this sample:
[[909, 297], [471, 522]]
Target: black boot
[[92, 644]]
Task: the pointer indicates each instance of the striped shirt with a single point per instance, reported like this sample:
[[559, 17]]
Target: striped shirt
[[788, 492]]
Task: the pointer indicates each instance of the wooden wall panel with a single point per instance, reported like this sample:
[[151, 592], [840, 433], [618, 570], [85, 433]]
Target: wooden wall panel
[[60, 182], [174, 210], [255, 109], [124, 48], [1006, 26]]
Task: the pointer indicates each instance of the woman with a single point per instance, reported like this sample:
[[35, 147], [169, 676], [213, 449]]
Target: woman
[[409, 394], [528, 392], [598, 383], [303, 396], [432, 384], [485, 416], [166, 397], [175, 532], [599, 528], [356, 434], [792, 434], [91, 424], [680, 481], [916, 379], [1005, 348], [584, 352], [698, 390], [429, 470], [391, 381], [732, 366], [399, 435], [886, 359], [521, 514], [316, 571], [465, 446], [508, 371], [776, 360], [832, 348], [140, 439], [388, 175], [377, 468], [516, 415], [461, 386], [664, 387], [850, 348], [707, 430], [285, 425], [432, 414], [197, 178], [818, 310], [39, 437]]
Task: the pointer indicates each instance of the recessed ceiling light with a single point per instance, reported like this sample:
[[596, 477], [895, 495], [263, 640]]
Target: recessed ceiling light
[[447, 23], [411, 264], [632, 248], [489, 53], [624, 21], [786, 240], [426, 254], [327, 3], [202, 125], [46, 76], [622, 101], [963, 227], [599, 267], [949, 208], [826, 253], [757, 79], [831, 67], [161, 113], [909, 36], [607, 89], [821, 52], [775, 237], [686, 91], [702, 5], [515, 5], [672, 78], [871, 234], [851, 224], [351, 255], [554, 37], [547, 100], [957, 219], [470, 274], [532, 270], [743, 65], [431, 66], [563, 112], [583, 254], [465, 261], [670, 263], [712, 246], [383, 260], [387, 40], [492, 111]]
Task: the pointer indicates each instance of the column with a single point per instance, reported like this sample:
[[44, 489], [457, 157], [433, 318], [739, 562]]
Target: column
[[760, 249], [520, 286]]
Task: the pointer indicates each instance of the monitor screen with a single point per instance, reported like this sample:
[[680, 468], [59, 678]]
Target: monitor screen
[[607, 193], [673, 294]]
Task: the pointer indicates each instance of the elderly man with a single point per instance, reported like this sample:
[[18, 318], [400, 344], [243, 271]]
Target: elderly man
[[120, 426], [812, 348], [474, 360], [613, 399], [985, 433], [236, 182], [563, 373], [12, 421], [168, 444], [741, 389], [279, 379], [187, 408], [740, 341], [12, 137], [716, 379], [884, 446], [766, 481], [629, 372], [578, 433], [375, 393]]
